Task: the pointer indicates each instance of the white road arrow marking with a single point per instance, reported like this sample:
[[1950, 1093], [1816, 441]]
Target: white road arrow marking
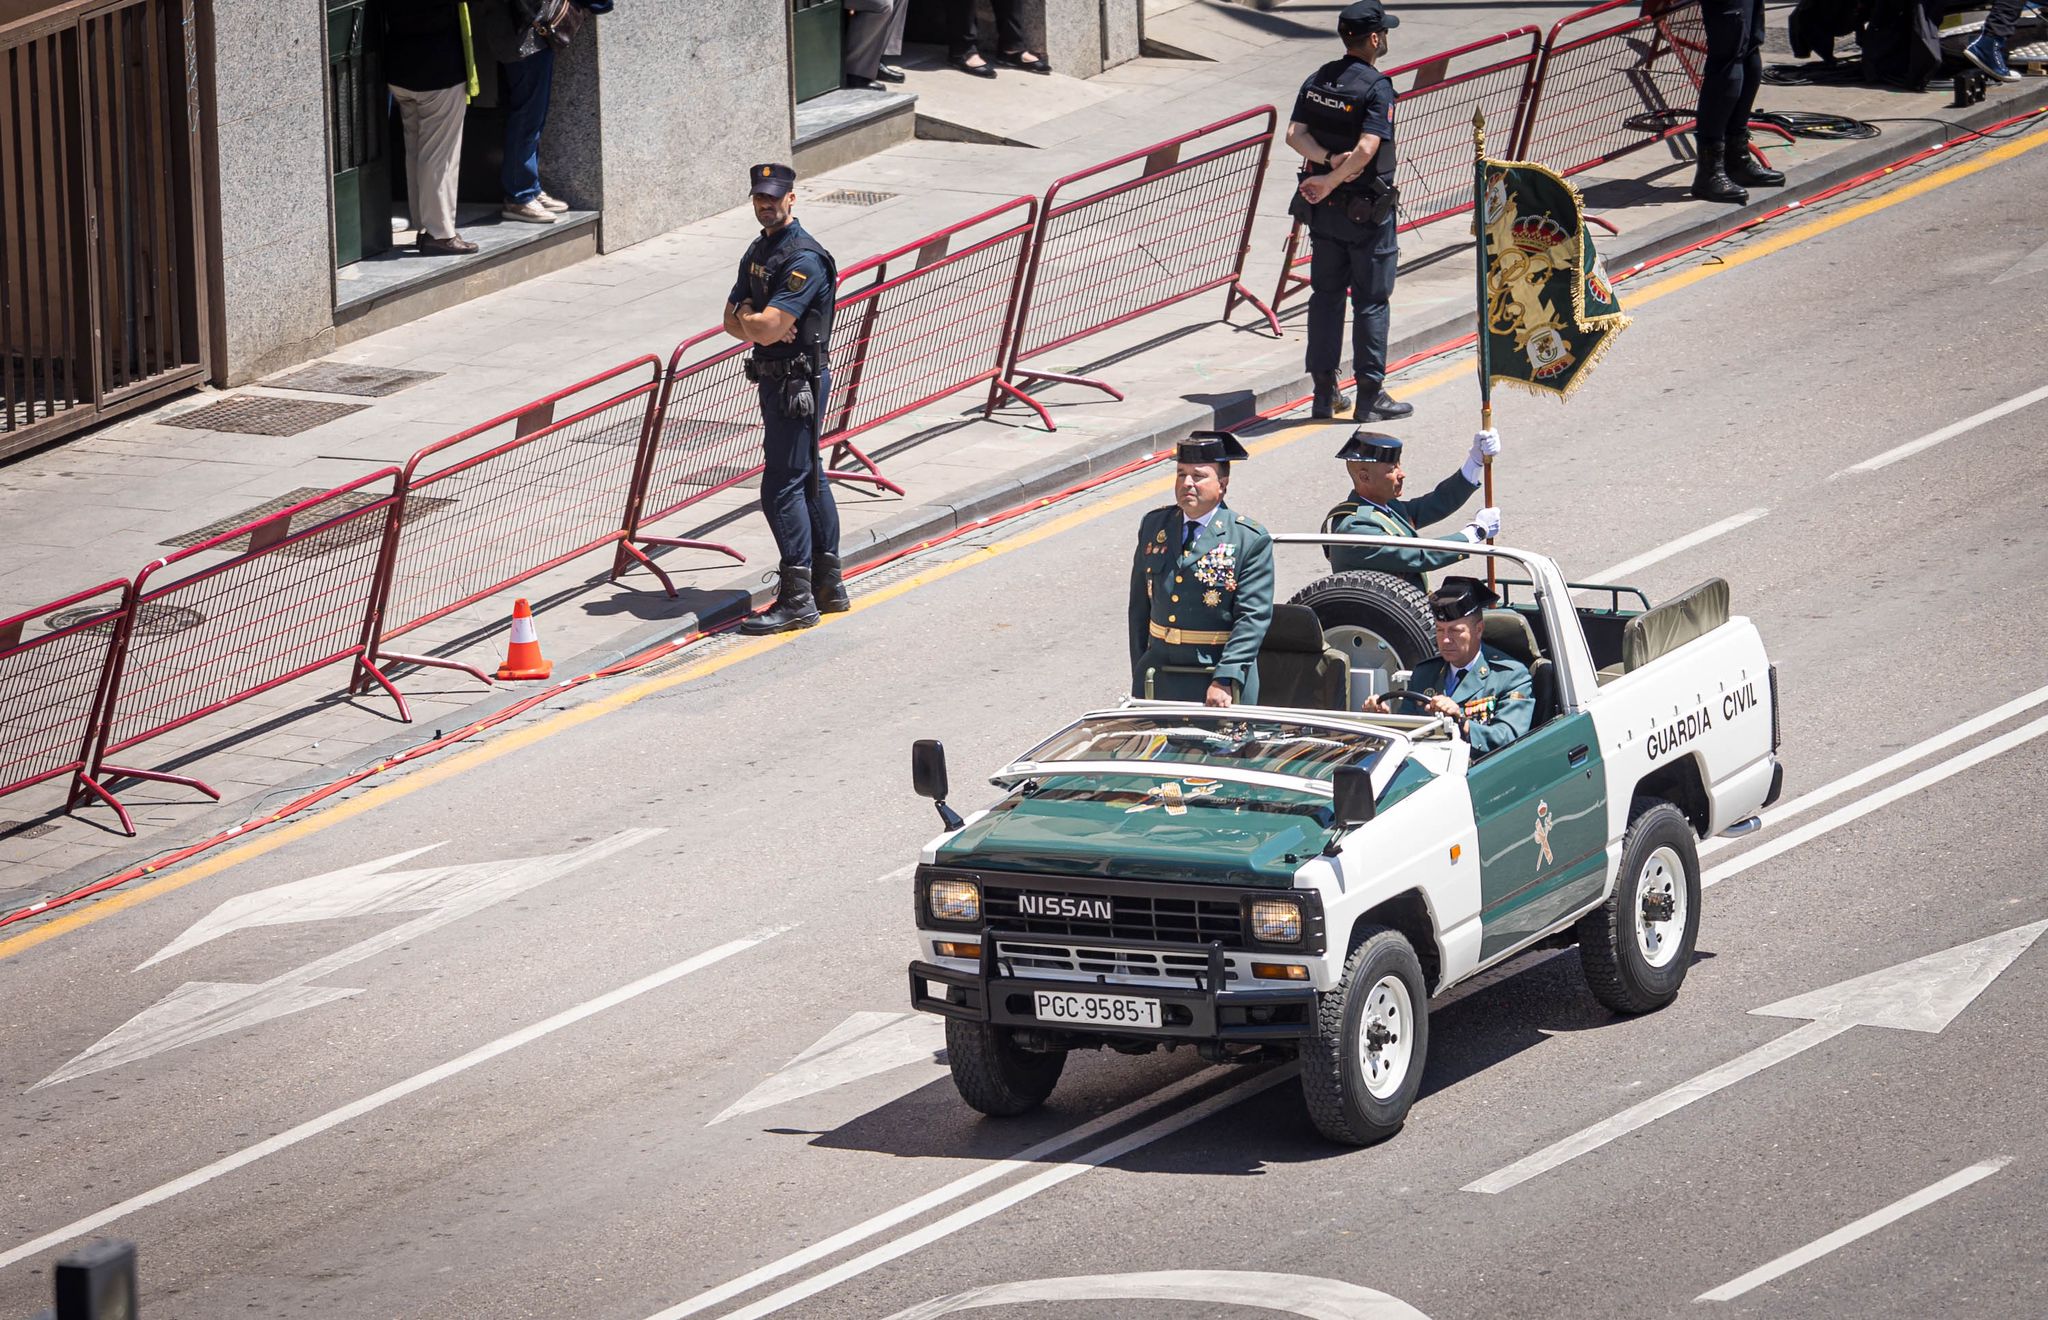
[[864, 1045], [199, 1010], [1925, 994], [1296, 1294]]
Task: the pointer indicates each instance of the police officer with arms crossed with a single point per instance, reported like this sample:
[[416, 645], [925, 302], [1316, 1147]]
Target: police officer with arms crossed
[[1201, 585], [782, 304], [1374, 507], [1343, 128], [1487, 692]]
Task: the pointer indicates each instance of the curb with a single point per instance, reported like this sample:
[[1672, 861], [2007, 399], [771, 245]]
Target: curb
[[917, 523]]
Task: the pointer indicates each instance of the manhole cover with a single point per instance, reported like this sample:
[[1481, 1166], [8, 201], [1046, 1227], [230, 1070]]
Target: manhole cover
[[152, 618], [349, 533], [250, 414], [15, 829], [854, 197], [350, 378]]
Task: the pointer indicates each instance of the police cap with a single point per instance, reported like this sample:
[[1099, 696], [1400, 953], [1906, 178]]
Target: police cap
[[1209, 447], [1371, 447], [1460, 598], [771, 180], [1366, 16]]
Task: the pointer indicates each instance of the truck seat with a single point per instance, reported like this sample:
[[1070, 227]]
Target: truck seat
[[1671, 624], [1296, 668], [1508, 631]]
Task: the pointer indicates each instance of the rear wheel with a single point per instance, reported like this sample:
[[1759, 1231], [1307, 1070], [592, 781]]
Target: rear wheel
[[1379, 622], [1361, 1070], [993, 1075], [1637, 946]]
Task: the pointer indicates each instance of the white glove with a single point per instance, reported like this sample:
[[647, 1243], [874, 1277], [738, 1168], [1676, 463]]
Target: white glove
[[1485, 445], [1485, 525]]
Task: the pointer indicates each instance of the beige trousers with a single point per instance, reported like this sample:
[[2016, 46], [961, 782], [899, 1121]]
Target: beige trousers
[[433, 149]]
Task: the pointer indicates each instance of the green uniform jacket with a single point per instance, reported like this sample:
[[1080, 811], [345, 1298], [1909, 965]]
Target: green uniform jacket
[[1497, 694], [1213, 604], [1401, 518]]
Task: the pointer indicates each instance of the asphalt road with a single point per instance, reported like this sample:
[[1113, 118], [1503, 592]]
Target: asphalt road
[[516, 1108]]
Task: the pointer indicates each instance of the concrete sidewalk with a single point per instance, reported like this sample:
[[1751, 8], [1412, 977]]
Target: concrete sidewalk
[[102, 505]]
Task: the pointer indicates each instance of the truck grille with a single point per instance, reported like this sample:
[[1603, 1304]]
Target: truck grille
[[1079, 960], [1134, 917]]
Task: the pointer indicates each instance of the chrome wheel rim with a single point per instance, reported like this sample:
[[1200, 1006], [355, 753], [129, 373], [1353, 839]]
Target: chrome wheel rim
[[1367, 653], [1386, 1036], [1662, 889]]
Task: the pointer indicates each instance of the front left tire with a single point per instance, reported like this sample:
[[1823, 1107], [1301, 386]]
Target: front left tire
[[993, 1075]]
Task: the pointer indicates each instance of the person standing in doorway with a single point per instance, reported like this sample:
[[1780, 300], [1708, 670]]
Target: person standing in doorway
[[526, 76], [782, 304], [1343, 129], [426, 62]]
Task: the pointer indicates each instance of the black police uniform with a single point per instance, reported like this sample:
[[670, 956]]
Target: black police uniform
[[1351, 232], [791, 270]]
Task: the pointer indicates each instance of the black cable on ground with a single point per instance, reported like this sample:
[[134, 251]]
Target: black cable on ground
[[1812, 124]]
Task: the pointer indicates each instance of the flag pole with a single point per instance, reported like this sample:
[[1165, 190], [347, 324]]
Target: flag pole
[[1485, 347]]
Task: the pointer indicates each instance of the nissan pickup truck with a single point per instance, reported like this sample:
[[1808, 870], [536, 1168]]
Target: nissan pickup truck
[[1299, 879]]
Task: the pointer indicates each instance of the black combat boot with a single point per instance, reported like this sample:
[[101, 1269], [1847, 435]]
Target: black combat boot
[[1743, 169], [1384, 408], [829, 586], [1329, 399], [1710, 183], [793, 607]]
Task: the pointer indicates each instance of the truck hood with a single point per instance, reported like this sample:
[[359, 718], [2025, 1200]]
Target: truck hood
[[1177, 829]]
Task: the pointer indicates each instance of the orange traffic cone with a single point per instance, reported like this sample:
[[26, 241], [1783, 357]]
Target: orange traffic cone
[[523, 659]]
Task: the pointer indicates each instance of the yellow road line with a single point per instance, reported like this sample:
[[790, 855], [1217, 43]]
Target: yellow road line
[[564, 720]]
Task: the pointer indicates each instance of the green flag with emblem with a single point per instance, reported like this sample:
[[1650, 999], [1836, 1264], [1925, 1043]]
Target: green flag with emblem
[[1547, 309]]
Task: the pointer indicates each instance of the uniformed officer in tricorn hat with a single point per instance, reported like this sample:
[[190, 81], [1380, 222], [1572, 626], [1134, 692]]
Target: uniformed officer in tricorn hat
[[1374, 507], [1343, 128], [1201, 585], [1486, 691], [782, 304]]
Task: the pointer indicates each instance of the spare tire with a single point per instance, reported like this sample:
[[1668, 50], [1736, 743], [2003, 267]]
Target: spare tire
[[1379, 621]]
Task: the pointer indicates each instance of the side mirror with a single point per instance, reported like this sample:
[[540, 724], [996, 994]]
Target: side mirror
[[928, 768], [1353, 799], [928, 777]]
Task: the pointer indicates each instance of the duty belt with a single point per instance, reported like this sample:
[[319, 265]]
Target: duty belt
[[773, 369], [1187, 636]]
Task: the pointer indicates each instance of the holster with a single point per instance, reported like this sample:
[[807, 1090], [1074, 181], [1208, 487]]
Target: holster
[[1375, 204]]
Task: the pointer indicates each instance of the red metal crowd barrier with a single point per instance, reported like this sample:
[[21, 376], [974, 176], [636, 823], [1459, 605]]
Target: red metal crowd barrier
[[1112, 246], [52, 687], [290, 601], [482, 513], [1614, 79], [1433, 130]]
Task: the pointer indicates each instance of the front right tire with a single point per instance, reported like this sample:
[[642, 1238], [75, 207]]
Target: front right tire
[[1637, 945], [993, 1075], [1362, 1069]]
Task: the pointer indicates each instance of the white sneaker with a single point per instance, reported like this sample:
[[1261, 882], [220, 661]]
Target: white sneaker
[[555, 204], [533, 213]]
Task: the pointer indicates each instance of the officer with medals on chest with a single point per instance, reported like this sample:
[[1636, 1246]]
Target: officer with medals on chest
[[1487, 692], [782, 304], [1343, 129], [1375, 508], [1201, 586]]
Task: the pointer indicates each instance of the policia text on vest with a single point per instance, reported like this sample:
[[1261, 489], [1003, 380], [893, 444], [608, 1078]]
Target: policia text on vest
[[782, 304], [1343, 129]]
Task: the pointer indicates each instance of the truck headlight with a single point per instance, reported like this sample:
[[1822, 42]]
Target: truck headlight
[[1276, 921], [954, 900]]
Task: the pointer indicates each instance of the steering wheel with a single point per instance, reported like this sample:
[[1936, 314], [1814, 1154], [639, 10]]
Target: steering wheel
[[1406, 694]]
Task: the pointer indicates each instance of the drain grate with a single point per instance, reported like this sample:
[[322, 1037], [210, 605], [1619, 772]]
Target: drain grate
[[18, 829], [152, 619], [250, 414], [417, 507], [855, 197], [351, 378]]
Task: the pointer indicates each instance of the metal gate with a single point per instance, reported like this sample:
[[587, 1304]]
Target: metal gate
[[100, 287], [357, 126], [816, 29]]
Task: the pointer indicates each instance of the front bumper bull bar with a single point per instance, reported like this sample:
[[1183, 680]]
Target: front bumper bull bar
[[1209, 1010]]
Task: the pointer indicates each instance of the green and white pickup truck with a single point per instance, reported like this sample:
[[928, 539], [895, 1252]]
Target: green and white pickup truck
[[1298, 879]]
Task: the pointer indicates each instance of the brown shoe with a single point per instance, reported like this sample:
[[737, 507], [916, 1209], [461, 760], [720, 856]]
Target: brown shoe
[[456, 246]]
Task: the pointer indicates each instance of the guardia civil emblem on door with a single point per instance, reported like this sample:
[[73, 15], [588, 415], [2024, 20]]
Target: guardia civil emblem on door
[[1542, 834]]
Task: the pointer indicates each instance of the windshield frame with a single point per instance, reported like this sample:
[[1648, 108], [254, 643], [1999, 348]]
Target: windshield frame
[[1398, 747]]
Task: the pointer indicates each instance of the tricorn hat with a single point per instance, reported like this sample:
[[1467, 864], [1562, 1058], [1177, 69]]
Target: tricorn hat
[[1461, 597], [1370, 447], [1209, 447]]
